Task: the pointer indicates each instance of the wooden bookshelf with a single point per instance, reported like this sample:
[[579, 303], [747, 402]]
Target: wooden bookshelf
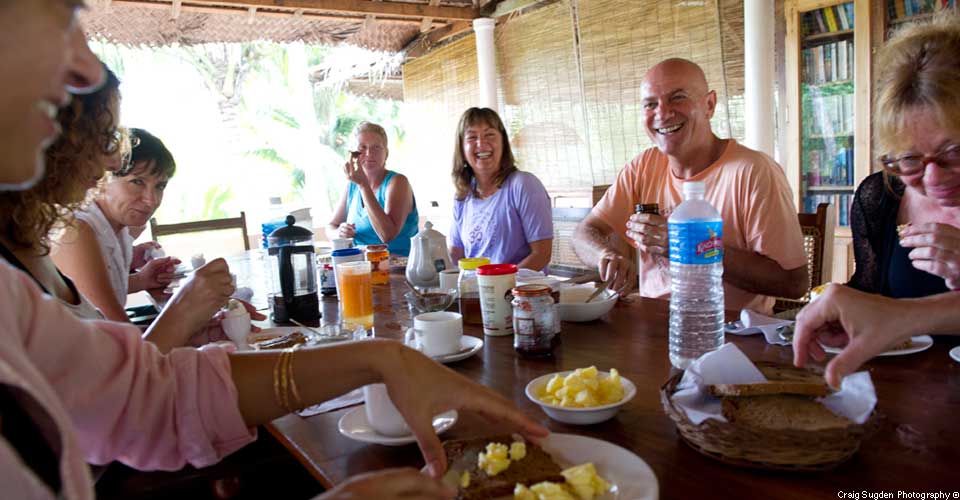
[[855, 88]]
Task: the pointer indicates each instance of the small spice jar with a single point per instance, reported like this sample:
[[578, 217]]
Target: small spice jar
[[536, 324], [328, 282], [379, 258]]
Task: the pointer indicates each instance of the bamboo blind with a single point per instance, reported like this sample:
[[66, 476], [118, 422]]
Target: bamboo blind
[[575, 125]]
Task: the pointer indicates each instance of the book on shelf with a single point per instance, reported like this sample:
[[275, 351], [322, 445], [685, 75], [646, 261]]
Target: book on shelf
[[830, 62], [829, 19], [905, 9], [842, 203]]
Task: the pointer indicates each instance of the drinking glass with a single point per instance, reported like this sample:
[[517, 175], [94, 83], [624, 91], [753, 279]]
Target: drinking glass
[[355, 289]]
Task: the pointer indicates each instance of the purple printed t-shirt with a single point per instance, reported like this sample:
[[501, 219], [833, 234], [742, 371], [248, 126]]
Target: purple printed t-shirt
[[502, 226]]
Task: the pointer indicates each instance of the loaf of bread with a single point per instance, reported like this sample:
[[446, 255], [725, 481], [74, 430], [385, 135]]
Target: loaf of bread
[[779, 412], [813, 389], [535, 467]]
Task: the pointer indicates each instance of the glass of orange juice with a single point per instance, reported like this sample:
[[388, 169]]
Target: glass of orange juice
[[355, 289]]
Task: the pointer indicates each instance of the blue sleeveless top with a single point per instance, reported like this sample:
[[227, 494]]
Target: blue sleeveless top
[[365, 235]]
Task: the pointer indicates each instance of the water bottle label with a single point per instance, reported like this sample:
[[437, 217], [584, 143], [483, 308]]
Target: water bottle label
[[696, 242]]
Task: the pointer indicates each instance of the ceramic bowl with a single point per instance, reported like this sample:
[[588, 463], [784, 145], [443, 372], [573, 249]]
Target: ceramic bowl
[[572, 305], [579, 416]]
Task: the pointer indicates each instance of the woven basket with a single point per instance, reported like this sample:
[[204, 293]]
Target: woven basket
[[747, 446]]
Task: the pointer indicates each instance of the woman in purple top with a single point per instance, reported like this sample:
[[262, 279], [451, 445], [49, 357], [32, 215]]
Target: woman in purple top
[[499, 212]]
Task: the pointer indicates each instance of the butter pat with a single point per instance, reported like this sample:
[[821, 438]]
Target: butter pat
[[518, 451], [495, 460]]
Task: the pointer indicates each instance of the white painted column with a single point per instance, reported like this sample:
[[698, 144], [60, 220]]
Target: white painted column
[[486, 62], [758, 19]]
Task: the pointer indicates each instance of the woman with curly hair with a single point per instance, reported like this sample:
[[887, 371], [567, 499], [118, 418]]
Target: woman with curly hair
[[90, 146], [90, 142]]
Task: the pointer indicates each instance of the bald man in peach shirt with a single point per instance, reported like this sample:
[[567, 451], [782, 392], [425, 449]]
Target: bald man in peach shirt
[[763, 243]]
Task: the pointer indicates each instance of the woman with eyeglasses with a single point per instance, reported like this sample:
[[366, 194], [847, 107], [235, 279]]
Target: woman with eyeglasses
[[906, 219]]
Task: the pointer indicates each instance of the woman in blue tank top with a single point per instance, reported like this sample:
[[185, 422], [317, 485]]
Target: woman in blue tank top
[[378, 205]]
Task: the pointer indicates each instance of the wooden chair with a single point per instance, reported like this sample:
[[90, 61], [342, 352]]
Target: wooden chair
[[598, 192], [818, 244], [564, 261], [158, 230]]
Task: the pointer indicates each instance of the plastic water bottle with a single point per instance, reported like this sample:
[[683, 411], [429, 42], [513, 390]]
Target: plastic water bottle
[[696, 277]]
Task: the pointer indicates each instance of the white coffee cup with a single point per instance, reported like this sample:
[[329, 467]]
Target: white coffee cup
[[438, 333], [341, 243], [449, 279], [382, 415]]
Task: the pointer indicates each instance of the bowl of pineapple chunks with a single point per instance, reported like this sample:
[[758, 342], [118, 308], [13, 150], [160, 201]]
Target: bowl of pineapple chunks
[[583, 396]]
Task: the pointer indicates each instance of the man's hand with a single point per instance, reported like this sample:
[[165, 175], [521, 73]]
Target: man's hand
[[617, 271], [648, 233]]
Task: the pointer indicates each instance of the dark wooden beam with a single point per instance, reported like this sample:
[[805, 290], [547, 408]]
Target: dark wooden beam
[[351, 7], [501, 8], [426, 41], [244, 11]]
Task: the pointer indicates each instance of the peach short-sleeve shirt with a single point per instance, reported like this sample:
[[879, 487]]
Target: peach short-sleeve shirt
[[747, 187]]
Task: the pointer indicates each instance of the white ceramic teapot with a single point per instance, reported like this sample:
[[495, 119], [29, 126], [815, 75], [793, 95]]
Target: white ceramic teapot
[[428, 256]]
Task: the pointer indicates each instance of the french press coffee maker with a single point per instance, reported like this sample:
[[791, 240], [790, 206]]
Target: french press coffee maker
[[293, 276]]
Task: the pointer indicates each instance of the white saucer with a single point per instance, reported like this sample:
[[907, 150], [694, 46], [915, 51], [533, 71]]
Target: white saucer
[[955, 353], [919, 343], [468, 347], [354, 425]]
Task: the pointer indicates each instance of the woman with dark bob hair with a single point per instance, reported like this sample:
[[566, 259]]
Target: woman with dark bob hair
[[96, 251], [499, 212]]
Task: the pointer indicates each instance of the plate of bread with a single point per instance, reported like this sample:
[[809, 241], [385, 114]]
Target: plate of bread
[[910, 346], [559, 466]]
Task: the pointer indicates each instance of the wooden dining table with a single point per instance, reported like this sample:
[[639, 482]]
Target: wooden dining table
[[916, 449]]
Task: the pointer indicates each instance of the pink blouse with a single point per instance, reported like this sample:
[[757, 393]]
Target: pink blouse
[[109, 395]]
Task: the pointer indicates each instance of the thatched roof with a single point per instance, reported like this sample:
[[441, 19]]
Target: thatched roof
[[385, 25]]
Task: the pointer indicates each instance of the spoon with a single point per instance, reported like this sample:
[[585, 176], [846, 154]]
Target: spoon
[[413, 287]]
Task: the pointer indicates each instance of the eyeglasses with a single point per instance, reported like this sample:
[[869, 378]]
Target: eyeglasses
[[911, 163]]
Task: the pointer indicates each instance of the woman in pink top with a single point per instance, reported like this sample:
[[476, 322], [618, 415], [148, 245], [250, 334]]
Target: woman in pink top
[[73, 391]]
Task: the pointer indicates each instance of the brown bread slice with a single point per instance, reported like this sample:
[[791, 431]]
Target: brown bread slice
[[814, 389], [780, 412], [462, 456]]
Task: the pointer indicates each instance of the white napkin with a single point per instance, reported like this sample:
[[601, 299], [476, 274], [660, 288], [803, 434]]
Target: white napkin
[[728, 365], [349, 399], [754, 322]]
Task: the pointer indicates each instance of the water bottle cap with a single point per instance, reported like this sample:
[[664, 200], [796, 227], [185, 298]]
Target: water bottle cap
[[693, 187]]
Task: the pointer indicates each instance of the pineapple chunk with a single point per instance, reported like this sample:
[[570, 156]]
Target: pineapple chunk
[[551, 491], [590, 372], [465, 480], [521, 492], [555, 383], [585, 482]]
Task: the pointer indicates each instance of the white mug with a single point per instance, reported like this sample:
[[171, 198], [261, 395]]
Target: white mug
[[382, 415], [449, 279], [341, 243], [438, 333]]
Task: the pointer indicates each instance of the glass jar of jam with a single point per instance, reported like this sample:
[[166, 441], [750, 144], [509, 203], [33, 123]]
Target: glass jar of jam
[[379, 258], [536, 324], [328, 282]]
